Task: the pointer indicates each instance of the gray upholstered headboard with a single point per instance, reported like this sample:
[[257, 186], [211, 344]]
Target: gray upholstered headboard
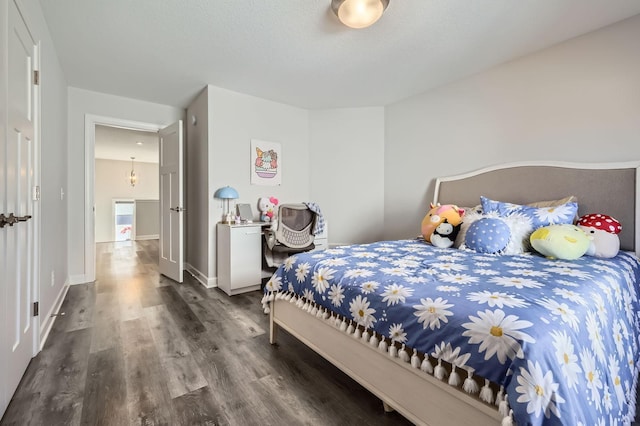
[[611, 189]]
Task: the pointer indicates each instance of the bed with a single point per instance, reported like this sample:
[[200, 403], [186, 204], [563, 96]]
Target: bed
[[450, 336]]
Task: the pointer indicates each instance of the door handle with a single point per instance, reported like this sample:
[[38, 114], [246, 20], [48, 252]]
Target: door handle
[[11, 219], [6, 220], [22, 218], [177, 209]]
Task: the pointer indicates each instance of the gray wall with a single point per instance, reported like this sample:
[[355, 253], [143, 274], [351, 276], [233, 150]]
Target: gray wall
[[576, 101], [147, 219]]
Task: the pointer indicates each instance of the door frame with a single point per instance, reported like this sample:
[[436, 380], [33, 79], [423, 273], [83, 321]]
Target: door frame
[[90, 122]]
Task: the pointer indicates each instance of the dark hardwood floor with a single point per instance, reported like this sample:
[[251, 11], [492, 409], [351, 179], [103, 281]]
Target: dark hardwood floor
[[136, 348]]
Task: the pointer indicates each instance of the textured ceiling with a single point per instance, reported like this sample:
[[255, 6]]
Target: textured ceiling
[[296, 52]]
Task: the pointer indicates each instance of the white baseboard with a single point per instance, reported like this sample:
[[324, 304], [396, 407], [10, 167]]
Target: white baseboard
[[147, 237], [78, 279], [46, 322], [200, 277]]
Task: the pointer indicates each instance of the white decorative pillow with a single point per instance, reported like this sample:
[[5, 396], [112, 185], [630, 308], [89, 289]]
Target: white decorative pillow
[[519, 225]]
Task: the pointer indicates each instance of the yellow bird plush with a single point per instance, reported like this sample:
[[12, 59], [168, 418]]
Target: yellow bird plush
[[567, 242]]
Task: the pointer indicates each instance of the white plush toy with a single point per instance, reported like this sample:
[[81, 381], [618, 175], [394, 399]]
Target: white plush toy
[[268, 208], [445, 234], [603, 231]]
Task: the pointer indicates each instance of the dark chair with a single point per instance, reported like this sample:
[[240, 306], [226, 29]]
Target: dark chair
[[292, 233]]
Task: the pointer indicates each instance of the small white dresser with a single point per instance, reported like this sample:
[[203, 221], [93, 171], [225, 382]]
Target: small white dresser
[[239, 257]]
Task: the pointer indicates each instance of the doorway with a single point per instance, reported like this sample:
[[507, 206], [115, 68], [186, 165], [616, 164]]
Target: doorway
[[126, 169], [95, 124]]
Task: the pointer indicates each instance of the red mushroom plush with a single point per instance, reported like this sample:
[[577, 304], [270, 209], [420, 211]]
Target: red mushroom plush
[[603, 231]]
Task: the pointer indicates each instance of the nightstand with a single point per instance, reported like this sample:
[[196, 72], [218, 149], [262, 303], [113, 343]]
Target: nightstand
[[239, 257]]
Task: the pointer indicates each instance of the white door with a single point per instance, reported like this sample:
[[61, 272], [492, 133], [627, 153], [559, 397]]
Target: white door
[[17, 239], [171, 203]]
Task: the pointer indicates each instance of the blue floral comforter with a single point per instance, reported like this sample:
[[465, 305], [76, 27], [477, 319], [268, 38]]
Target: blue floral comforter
[[560, 336]]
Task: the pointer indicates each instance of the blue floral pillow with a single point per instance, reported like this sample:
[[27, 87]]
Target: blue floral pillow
[[537, 216]]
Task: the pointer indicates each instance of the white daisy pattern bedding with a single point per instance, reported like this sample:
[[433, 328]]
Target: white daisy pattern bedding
[[561, 337]]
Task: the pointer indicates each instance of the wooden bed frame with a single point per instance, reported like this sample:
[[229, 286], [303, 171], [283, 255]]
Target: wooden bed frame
[[613, 189]]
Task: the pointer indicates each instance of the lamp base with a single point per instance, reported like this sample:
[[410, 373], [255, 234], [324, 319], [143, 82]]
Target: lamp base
[[228, 219]]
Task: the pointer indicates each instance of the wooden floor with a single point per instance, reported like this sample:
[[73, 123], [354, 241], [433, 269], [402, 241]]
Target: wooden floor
[[136, 348]]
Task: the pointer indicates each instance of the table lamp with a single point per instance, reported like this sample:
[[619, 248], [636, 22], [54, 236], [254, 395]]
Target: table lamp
[[226, 193]]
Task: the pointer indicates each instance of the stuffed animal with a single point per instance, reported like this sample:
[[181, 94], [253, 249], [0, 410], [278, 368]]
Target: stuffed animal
[[567, 242], [603, 231], [268, 209], [437, 215], [445, 234]]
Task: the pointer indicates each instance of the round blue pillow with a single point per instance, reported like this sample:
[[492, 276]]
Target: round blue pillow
[[488, 235]]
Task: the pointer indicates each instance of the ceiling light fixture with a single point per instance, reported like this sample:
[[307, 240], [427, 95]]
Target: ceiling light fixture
[[133, 179], [359, 13]]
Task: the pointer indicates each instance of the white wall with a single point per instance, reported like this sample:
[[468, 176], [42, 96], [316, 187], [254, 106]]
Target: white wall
[[326, 158], [111, 181], [346, 154], [233, 120], [237, 118], [576, 101], [82, 102]]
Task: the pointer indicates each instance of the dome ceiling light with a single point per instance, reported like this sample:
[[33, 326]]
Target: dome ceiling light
[[359, 13]]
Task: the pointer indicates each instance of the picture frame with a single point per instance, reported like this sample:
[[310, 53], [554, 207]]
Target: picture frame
[[245, 212], [266, 163]]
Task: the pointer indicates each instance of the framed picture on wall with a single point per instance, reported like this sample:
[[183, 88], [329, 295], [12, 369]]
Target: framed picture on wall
[[266, 163]]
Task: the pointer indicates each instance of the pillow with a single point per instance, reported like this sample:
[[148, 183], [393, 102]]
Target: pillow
[[475, 209], [488, 235], [539, 216], [469, 217], [519, 228], [554, 203]]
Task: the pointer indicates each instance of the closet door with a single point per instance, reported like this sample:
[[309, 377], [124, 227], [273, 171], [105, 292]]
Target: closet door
[[17, 172]]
